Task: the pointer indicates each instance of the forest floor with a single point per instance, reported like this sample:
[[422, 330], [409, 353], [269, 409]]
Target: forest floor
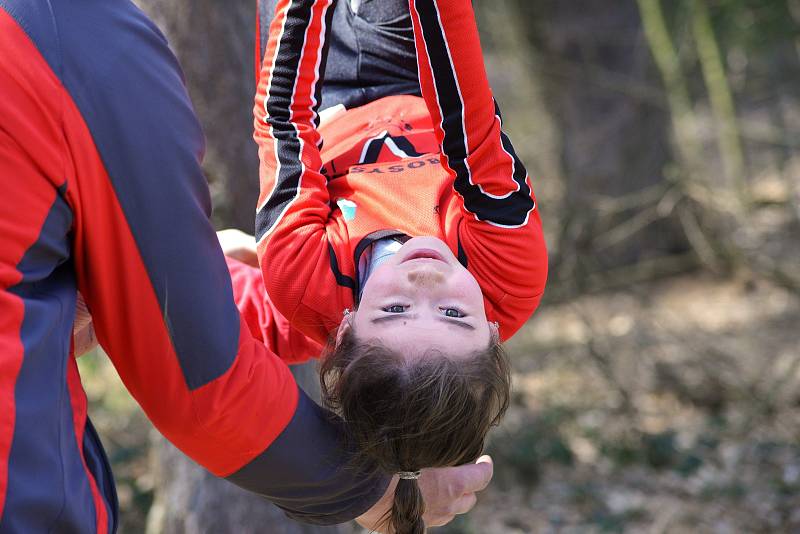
[[672, 406], [669, 407]]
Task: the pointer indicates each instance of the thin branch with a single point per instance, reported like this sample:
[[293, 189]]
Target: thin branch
[[643, 271], [701, 245], [606, 205], [668, 62], [627, 228], [721, 96], [602, 360]]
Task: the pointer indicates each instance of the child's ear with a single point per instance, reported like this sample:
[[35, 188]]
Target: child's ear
[[344, 327]]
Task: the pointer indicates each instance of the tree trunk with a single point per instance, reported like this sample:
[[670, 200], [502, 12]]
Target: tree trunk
[[603, 93], [214, 42]]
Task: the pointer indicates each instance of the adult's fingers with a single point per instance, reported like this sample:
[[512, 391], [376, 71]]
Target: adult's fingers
[[462, 505], [85, 340], [477, 476], [449, 491]]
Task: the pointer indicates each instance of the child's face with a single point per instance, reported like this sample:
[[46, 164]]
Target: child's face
[[422, 298]]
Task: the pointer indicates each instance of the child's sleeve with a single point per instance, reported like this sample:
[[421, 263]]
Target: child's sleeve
[[500, 232], [297, 242], [264, 321]]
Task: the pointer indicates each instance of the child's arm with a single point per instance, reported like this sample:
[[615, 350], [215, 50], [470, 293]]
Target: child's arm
[[295, 238], [500, 231], [265, 323]]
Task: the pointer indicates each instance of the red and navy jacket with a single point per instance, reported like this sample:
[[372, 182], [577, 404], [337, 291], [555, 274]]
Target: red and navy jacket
[[102, 193], [439, 165]]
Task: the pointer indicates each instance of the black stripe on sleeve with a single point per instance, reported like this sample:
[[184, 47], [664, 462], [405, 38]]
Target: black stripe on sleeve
[[341, 278], [451, 106], [278, 102], [326, 33], [509, 211]]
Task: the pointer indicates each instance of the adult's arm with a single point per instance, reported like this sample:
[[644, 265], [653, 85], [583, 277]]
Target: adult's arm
[[297, 240], [500, 231], [98, 128]]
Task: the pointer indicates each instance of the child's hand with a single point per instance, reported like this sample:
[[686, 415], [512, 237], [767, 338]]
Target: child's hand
[[447, 492], [83, 329], [239, 246], [85, 340]]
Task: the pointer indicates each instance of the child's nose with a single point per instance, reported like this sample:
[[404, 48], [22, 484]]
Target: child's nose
[[425, 278]]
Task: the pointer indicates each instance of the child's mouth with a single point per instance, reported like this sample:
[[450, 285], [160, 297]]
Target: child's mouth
[[424, 254]]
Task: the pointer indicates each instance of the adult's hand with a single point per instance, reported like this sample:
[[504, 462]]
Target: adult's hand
[[447, 491]]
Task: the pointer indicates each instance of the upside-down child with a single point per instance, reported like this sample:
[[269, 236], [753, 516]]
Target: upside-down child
[[409, 240]]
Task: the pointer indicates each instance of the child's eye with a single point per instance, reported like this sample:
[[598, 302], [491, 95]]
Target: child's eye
[[395, 308], [453, 312]]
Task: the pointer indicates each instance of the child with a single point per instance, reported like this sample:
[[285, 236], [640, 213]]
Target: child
[[410, 237]]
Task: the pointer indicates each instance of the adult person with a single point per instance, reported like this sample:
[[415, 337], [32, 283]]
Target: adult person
[[103, 193]]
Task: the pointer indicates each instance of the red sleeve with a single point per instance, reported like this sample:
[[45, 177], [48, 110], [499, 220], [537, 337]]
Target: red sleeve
[[500, 232], [264, 321], [130, 219], [298, 243]]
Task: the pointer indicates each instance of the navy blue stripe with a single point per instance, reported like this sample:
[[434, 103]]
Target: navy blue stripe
[[511, 211], [48, 488], [129, 89], [36, 19], [100, 467], [326, 488], [278, 107]]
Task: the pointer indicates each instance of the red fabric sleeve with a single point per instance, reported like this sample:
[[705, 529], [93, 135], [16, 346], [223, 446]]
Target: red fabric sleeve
[[500, 232], [297, 242]]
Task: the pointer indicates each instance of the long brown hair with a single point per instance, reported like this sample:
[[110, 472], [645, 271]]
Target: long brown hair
[[432, 411]]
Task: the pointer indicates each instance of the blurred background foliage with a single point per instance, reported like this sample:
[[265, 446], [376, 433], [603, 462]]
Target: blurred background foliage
[[656, 389]]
